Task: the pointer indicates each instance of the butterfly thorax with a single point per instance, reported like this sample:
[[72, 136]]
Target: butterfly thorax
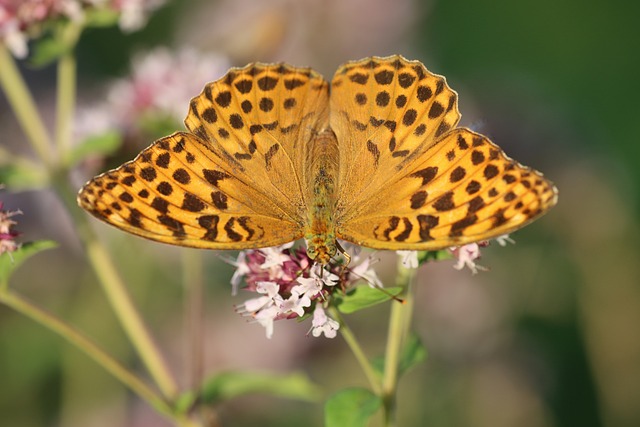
[[320, 229]]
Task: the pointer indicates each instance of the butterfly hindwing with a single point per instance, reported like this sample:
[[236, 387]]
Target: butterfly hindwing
[[463, 189]]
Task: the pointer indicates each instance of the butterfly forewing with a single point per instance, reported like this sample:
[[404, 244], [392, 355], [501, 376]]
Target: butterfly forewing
[[178, 191], [262, 119], [385, 112]]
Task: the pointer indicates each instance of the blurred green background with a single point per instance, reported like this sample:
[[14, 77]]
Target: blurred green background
[[548, 337]]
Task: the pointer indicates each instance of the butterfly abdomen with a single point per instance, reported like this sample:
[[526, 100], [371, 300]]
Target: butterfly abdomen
[[320, 232]]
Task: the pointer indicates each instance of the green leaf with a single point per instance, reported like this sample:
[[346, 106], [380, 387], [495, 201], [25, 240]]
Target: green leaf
[[157, 124], [228, 385], [47, 50], [9, 262], [101, 17], [414, 352], [23, 175], [425, 256], [365, 296], [351, 407], [102, 145], [184, 402]]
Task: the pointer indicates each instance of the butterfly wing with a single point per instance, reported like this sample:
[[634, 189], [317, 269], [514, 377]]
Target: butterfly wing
[[407, 178], [236, 181], [385, 113], [180, 192], [463, 189], [262, 119]]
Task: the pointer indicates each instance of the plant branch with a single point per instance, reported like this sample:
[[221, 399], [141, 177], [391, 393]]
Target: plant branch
[[355, 347], [118, 296], [194, 314], [24, 106], [65, 104], [82, 342], [399, 323]]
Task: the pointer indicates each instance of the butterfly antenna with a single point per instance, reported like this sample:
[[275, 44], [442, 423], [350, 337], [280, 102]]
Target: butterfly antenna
[[381, 289]]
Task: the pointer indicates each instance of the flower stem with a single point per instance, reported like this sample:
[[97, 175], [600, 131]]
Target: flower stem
[[65, 103], [118, 296], [25, 307], [66, 89], [24, 106], [353, 344], [194, 314], [399, 323]]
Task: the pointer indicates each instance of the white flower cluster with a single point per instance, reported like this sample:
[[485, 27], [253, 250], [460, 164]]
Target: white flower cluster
[[18, 17], [272, 305], [161, 83]]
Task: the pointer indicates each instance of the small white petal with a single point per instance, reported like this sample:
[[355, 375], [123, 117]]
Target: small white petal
[[16, 41], [365, 272], [266, 318], [504, 239], [255, 304], [269, 288], [242, 268], [322, 324], [466, 256], [409, 258], [275, 256], [294, 304]]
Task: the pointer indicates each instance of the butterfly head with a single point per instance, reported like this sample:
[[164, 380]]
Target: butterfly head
[[321, 250]]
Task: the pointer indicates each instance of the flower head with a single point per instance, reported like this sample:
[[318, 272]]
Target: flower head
[[21, 20], [467, 255], [7, 234], [291, 286], [161, 83], [322, 324]]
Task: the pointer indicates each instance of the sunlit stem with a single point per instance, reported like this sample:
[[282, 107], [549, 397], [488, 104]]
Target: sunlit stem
[[399, 324], [23, 106], [79, 340], [354, 345], [194, 313], [66, 95]]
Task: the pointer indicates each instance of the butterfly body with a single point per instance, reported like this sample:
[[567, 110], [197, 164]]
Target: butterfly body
[[320, 229], [275, 153]]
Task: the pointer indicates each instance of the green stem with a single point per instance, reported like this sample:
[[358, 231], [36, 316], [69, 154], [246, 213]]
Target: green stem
[[21, 305], [24, 106], [66, 89], [194, 313], [65, 108], [118, 296], [355, 347], [399, 324]]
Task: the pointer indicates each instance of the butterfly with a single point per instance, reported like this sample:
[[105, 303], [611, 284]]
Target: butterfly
[[275, 153]]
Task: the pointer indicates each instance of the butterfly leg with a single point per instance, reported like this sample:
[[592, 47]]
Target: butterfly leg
[[346, 256]]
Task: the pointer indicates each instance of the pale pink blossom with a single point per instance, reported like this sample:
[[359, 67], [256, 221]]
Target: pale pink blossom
[[466, 256], [21, 20], [291, 285], [7, 234], [323, 324], [409, 259], [161, 84]]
